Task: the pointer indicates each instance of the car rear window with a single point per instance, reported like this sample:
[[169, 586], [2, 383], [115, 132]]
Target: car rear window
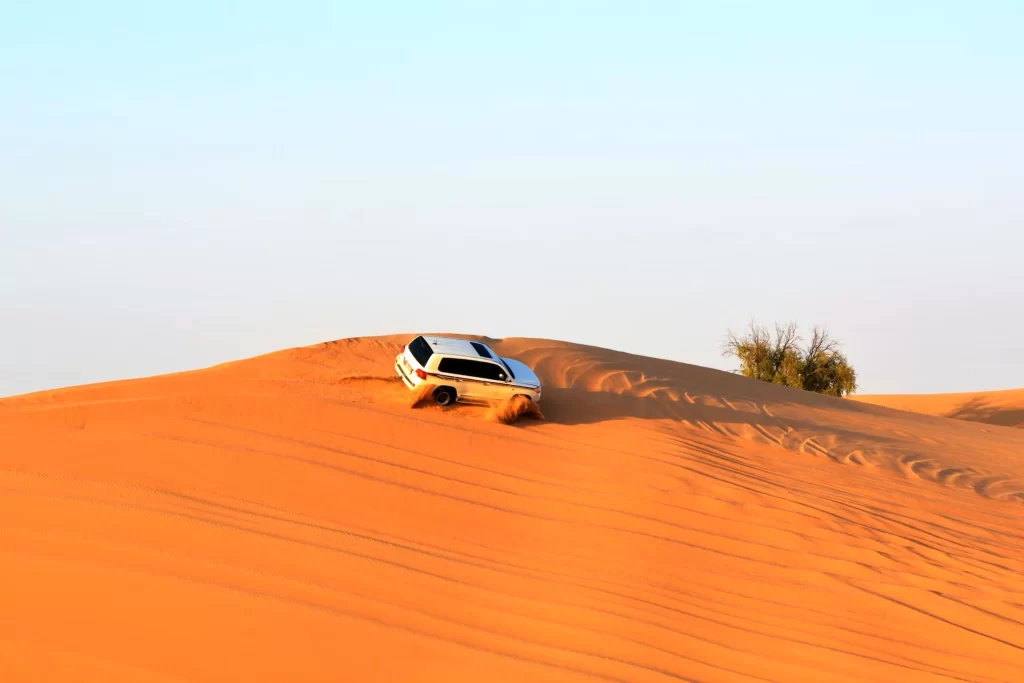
[[421, 350]]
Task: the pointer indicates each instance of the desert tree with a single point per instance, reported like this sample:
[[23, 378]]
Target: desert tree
[[778, 357]]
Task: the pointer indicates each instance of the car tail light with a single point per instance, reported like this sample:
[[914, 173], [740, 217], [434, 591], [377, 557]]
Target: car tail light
[[420, 373]]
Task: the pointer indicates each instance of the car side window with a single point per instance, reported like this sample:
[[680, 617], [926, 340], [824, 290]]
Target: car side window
[[489, 371], [455, 366], [492, 372], [471, 368]]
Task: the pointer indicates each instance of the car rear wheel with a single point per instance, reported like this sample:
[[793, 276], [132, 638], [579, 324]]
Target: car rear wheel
[[444, 396]]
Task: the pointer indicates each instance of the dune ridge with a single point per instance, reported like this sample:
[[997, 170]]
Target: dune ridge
[[1004, 408], [289, 517]]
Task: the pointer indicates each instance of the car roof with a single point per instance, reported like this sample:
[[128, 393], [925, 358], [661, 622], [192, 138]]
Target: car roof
[[450, 346]]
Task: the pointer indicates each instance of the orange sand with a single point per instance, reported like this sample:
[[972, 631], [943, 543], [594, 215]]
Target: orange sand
[[291, 518], [1005, 408]]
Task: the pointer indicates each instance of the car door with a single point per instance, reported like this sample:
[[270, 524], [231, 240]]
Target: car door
[[452, 371], [471, 382], [492, 382], [474, 380]]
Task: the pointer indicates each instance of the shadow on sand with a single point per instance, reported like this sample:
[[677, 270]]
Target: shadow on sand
[[980, 410]]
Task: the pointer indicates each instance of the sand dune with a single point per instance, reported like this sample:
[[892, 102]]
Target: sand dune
[[1005, 408], [291, 518]]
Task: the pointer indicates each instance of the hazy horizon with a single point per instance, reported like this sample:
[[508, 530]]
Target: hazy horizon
[[195, 184]]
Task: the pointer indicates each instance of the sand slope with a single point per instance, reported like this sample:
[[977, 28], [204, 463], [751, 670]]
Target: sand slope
[[1005, 408], [290, 518]]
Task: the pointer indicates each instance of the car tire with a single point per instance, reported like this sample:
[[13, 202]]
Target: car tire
[[444, 396]]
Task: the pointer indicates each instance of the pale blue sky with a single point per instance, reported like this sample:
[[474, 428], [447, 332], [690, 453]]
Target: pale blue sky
[[206, 181]]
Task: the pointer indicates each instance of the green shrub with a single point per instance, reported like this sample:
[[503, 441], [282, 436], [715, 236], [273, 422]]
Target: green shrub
[[779, 358]]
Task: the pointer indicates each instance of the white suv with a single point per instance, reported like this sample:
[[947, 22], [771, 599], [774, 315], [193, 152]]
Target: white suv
[[463, 370]]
